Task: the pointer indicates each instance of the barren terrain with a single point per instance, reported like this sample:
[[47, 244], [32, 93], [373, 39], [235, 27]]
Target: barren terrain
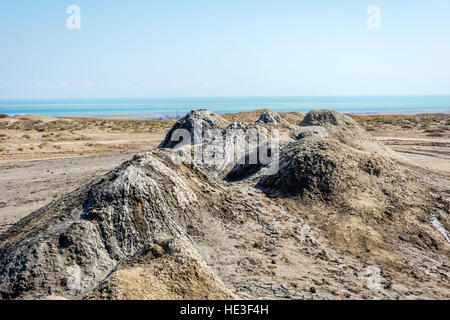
[[344, 217], [43, 158]]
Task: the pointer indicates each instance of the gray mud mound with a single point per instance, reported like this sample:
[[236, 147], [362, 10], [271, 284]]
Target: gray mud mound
[[233, 143], [327, 118], [89, 231], [270, 117], [165, 270], [343, 129], [343, 217], [325, 170], [205, 119], [331, 159]]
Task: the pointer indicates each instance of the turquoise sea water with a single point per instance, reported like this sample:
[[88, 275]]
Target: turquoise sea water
[[350, 104]]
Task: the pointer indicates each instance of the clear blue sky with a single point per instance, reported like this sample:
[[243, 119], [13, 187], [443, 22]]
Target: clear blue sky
[[181, 48]]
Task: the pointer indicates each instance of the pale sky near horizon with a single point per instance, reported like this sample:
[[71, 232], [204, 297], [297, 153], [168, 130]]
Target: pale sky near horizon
[[194, 48]]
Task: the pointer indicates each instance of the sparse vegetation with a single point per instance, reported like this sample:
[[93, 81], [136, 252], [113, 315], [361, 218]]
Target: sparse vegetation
[[425, 125], [20, 131], [291, 117], [76, 124], [423, 122]]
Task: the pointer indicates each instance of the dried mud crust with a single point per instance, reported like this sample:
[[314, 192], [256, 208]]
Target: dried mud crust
[[173, 270]]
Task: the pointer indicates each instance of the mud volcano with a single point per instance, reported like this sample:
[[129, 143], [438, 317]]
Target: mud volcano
[[344, 217]]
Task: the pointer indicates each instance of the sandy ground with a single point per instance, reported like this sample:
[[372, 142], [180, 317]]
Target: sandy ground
[[37, 167], [430, 153], [35, 137], [28, 185]]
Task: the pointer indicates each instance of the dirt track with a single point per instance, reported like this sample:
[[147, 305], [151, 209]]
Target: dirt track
[[29, 185]]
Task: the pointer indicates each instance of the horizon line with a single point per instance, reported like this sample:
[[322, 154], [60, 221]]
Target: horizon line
[[238, 96]]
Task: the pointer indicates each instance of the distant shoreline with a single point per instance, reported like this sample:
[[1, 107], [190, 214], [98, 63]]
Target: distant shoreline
[[169, 108], [174, 116]]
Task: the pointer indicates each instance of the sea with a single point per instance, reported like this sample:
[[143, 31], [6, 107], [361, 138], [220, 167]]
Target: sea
[[180, 106]]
